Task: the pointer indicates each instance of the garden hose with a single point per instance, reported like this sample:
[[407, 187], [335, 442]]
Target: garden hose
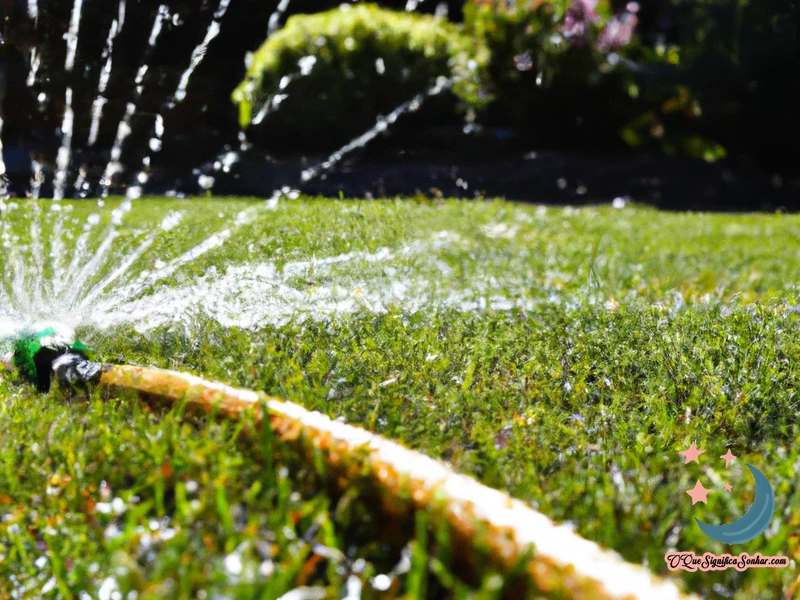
[[483, 523], [486, 526]]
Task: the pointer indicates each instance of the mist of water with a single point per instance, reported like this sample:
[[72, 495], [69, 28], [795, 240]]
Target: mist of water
[[114, 165], [73, 271], [2, 163], [105, 74], [78, 180], [156, 138], [149, 277], [381, 124], [82, 272]]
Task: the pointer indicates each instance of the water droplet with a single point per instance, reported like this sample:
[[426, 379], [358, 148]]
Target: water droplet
[[306, 64], [382, 582], [233, 564], [109, 590], [523, 62], [267, 568], [206, 182]]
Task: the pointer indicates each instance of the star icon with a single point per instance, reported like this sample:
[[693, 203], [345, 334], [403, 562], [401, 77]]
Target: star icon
[[728, 458], [691, 454], [728, 487], [698, 493]]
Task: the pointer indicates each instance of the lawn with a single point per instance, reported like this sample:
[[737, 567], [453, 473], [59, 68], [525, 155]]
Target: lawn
[[564, 355]]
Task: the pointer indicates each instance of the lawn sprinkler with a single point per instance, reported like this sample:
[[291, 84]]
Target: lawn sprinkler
[[40, 352]]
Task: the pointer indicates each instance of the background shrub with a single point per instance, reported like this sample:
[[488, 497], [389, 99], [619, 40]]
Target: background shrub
[[342, 68], [554, 73], [722, 71], [707, 80]]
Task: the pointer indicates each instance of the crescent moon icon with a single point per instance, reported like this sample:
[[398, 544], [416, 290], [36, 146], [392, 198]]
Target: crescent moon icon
[[752, 523]]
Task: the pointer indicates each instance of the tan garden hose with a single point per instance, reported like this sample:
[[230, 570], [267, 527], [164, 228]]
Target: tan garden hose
[[481, 521]]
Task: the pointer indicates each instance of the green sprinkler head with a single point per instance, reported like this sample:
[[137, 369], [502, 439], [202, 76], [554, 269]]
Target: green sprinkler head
[[34, 353]]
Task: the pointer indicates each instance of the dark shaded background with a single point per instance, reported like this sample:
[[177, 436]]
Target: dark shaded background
[[424, 153]]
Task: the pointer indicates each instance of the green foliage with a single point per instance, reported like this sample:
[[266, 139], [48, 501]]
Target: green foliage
[[347, 66], [549, 73], [569, 74], [721, 81], [529, 37], [727, 72]]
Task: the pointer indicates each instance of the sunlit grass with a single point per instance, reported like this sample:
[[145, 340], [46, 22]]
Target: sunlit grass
[[585, 348]]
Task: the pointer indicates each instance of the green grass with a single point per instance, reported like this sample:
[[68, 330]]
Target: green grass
[[563, 355]]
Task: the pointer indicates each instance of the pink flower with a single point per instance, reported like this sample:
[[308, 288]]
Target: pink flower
[[579, 15], [618, 32]]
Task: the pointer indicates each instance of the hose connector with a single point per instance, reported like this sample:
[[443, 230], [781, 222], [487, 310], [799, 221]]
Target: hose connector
[[73, 370]]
